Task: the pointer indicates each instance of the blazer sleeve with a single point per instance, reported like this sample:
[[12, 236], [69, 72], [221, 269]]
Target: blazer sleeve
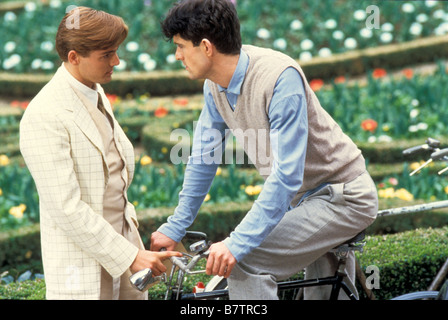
[[45, 143]]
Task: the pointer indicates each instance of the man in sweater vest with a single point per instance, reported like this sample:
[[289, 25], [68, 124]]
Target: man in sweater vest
[[317, 192]]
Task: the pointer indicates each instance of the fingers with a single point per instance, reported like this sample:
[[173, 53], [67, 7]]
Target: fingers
[[220, 261]]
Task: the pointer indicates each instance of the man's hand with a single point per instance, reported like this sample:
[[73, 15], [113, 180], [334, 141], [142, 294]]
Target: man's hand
[[160, 241], [220, 260], [153, 260]]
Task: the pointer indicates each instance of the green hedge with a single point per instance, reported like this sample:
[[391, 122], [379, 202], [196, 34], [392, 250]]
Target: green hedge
[[160, 83], [406, 261]]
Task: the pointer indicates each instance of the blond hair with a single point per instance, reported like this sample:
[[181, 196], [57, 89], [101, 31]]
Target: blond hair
[[85, 30]]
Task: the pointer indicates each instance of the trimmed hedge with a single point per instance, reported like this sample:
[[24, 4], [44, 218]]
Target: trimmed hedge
[[406, 262], [161, 83]]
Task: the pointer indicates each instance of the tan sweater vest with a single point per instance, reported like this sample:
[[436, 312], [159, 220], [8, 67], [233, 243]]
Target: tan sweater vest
[[331, 156]]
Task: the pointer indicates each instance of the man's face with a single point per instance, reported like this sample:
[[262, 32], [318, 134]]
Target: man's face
[[194, 59], [97, 67]]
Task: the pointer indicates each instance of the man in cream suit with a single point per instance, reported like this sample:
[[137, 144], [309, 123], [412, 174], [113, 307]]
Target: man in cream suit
[[82, 164]]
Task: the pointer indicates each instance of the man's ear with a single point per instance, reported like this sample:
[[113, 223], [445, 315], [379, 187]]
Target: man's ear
[[73, 57], [208, 47]]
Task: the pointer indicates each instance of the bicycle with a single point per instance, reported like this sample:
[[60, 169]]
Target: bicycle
[[217, 287]]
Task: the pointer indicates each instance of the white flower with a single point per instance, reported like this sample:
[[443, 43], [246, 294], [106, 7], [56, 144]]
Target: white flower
[[338, 35], [414, 113], [387, 27], [386, 37], [366, 33], [330, 24], [12, 61], [280, 44], [30, 7], [415, 29], [143, 57], [171, 58], [359, 15], [47, 46], [296, 25], [10, 46], [408, 7], [384, 138], [47, 65], [415, 103], [371, 139], [263, 33], [422, 126], [438, 14], [55, 3], [10, 16], [305, 56], [324, 52], [430, 3], [350, 43], [441, 29], [132, 46], [36, 64], [306, 44], [150, 65], [122, 66], [422, 18]]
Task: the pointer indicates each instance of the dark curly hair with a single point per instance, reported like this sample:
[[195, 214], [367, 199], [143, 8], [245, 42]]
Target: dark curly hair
[[215, 20]]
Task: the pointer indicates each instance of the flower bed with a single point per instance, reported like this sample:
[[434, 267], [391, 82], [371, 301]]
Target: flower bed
[[307, 29]]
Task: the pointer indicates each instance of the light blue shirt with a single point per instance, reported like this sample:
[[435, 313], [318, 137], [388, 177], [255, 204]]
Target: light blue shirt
[[288, 119]]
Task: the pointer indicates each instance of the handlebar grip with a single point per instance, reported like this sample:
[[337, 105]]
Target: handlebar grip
[[438, 155], [412, 150]]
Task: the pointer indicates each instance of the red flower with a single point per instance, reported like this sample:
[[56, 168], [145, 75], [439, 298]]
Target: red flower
[[112, 98], [316, 84], [340, 79], [181, 101], [408, 73], [369, 125], [379, 73], [160, 112]]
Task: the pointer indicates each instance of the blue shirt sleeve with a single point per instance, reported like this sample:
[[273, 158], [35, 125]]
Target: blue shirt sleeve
[[289, 135], [209, 141]]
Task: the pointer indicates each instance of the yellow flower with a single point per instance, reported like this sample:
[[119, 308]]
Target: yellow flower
[[4, 160], [253, 190], [386, 193], [207, 198], [145, 160], [445, 189], [164, 150], [404, 194], [218, 171], [1, 192], [17, 211], [28, 254], [414, 165]]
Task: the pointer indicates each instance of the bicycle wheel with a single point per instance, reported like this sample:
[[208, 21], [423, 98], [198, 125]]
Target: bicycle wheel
[[419, 295], [217, 283]]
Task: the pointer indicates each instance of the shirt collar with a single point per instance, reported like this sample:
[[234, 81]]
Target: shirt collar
[[238, 76], [89, 93]]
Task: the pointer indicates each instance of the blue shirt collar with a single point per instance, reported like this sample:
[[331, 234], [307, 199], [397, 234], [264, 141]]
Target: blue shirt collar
[[238, 76]]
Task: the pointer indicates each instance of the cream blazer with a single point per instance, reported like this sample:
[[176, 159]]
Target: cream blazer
[[64, 152]]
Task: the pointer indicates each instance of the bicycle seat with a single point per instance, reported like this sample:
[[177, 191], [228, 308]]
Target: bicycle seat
[[351, 244], [359, 237]]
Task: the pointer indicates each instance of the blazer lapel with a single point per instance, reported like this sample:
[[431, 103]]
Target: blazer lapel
[[82, 118]]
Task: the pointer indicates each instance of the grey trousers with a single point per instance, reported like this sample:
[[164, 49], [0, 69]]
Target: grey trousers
[[303, 239]]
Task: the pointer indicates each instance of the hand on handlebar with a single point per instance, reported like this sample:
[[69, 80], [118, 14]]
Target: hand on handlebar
[[220, 260], [152, 260]]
